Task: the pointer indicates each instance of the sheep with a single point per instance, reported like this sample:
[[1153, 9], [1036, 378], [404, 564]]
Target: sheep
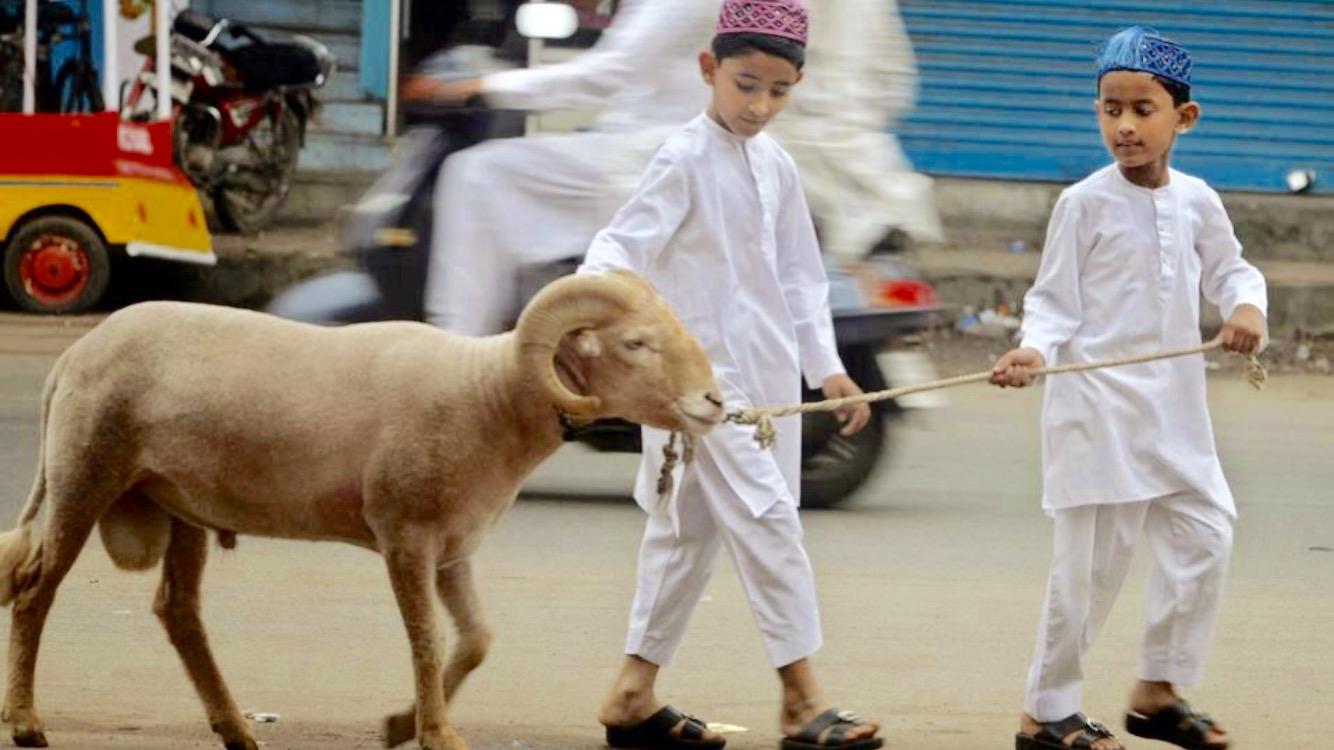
[[170, 420]]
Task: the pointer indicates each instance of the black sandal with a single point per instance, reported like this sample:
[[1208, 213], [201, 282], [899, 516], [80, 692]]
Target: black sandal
[[1053, 733], [838, 723], [1178, 724], [655, 733]]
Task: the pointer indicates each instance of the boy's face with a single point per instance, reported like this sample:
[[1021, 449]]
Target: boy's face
[[1138, 119], [748, 90]]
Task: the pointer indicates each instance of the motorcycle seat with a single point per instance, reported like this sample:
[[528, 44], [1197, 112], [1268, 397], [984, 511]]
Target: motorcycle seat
[[266, 66], [193, 25]]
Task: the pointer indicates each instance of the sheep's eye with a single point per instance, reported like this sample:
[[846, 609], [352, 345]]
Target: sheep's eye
[[633, 344]]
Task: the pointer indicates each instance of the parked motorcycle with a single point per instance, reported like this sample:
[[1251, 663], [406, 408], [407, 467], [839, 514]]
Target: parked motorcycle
[[241, 105]]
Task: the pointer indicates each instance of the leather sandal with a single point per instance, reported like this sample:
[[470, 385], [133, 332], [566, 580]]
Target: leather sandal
[[1178, 724], [837, 723], [1053, 733], [655, 733]]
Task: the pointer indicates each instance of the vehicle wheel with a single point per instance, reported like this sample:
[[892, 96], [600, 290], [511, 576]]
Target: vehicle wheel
[[56, 264], [247, 201], [833, 466], [836, 466]]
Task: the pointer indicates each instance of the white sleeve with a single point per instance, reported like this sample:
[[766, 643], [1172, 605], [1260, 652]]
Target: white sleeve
[[637, 37], [1227, 280], [890, 80], [646, 223], [1052, 307], [805, 285]]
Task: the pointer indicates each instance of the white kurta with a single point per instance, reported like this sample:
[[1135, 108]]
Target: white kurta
[[860, 79], [721, 228], [1122, 272], [519, 201]]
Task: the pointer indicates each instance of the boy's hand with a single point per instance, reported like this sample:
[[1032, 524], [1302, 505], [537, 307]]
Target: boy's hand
[[1243, 330], [1015, 368], [853, 418], [428, 88]]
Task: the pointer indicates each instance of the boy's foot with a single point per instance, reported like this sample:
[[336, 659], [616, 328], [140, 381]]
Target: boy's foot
[[829, 729], [1180, 725], [666, 729], [638, 724], [1157, 712], [1075, 731]]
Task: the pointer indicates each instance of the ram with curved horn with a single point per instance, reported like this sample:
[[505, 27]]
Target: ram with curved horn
[[170, 420]]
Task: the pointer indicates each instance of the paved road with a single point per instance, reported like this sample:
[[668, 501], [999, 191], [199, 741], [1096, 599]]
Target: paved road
[[929, 585]]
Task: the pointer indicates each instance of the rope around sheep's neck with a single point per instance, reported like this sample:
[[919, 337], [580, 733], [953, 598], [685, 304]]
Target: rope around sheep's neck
[[766, 434]]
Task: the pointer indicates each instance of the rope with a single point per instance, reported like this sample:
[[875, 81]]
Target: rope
[[766, 433]]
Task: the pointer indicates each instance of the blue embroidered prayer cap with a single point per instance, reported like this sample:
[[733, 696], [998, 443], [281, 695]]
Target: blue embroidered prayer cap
[[1143, 49]]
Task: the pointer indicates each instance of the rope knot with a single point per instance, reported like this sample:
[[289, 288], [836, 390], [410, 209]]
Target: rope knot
[[766, 434], [1256, 374], [670, 458]]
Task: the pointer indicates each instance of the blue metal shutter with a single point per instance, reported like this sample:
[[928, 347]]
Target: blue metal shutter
[[1007, 87]]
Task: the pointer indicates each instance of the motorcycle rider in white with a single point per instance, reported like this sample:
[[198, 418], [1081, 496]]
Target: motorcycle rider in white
[[525, 201]]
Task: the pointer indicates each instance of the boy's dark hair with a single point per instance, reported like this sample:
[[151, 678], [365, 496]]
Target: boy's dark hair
[[1180, 92], [736, 45]]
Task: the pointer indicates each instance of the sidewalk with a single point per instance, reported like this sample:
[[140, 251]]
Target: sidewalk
[[1301, 293]]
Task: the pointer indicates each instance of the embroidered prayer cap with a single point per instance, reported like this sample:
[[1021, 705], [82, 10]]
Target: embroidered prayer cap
[[781, 18], [1143, 49]]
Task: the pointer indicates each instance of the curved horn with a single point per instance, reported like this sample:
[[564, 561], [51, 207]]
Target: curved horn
[[566, 305]]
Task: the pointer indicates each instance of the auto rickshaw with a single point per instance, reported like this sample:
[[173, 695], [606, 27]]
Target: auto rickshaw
[[76, 188]]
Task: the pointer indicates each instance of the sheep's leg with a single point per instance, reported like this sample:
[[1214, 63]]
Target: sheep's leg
[[457, 590], [410, 575], [177, 606], [67, 530]]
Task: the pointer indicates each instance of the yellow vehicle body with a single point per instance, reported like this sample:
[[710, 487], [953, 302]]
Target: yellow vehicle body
[[145, 217], [117, 176]]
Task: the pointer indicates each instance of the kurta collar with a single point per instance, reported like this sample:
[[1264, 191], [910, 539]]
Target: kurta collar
[[721, 131], [1171, 181]]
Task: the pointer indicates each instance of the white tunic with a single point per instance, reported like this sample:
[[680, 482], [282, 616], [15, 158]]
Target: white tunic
[[640, 75], [719, 225], [1122, 272]]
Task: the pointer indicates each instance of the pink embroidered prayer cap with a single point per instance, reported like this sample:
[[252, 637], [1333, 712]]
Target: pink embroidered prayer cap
[[785, 18]]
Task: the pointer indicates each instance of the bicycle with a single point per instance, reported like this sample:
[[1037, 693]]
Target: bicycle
[[75, 87]]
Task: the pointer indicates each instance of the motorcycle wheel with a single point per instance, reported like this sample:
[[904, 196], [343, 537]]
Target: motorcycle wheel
[[833, 466], [244, 209]]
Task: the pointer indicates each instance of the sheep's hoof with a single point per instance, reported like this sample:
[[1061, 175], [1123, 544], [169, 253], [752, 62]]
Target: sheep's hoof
[[399, 728], [242, 745], [32, 738]]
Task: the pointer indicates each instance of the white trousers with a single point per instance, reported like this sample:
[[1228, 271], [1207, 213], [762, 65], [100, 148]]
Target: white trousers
[[1190, 538], [766, 551]]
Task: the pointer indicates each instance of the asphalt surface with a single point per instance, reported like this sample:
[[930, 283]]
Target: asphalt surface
[[929, 581]]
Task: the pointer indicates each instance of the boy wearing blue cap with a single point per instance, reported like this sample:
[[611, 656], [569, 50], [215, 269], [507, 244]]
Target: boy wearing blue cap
[[1130, 451]]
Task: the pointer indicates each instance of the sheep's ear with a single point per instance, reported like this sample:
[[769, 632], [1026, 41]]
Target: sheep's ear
[[586, 343]]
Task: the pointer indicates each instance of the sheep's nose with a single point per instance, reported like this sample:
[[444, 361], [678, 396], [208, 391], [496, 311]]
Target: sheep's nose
[[714, 399]]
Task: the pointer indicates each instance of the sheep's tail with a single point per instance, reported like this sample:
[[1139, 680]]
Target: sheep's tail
[[18, 553]]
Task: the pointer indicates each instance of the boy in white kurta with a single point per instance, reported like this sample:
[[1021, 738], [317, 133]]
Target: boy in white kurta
[[1130, 450], [720, 226]]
